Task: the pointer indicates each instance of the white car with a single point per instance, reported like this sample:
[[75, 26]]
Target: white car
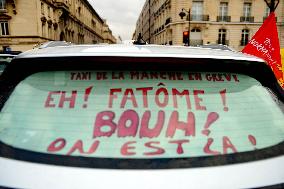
[[140, 116]]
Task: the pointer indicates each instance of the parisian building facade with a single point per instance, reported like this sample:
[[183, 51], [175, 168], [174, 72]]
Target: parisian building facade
[[27, 23], [228, 22]]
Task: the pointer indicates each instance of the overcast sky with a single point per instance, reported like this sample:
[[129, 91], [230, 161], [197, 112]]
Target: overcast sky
[[121, 15]]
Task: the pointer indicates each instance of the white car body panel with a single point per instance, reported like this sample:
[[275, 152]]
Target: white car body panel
[[138, 51], [31, 175]]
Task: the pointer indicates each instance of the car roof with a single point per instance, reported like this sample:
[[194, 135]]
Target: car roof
[[122, 50]]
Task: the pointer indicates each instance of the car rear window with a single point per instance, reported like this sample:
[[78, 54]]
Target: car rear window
[[141, 114], [2, 66]]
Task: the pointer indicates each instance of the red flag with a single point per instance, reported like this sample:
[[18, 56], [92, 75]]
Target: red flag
[[265, 44]]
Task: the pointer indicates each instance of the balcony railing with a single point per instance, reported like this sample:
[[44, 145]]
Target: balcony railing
[[264, 18], [223, 18], [169, 20], [247, 19], [62, 4], [199, 17], [196, 42], [223, 42]]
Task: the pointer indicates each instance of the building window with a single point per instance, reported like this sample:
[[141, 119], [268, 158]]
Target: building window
[[245, 37], [4, 28], [195, 37], [49, 33], [267, 12], [48, 11], [222, 36], [42, 8], [197, 11], [43, 30], [2, 4], [223, 9], [79, 10], [247, 10], [93, 23], [223, 13], [62, 36], [247, 13]]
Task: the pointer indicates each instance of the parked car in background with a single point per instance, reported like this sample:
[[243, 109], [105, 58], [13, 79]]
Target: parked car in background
[[4, 61], [52, 44], [140, 116], [217, 46]]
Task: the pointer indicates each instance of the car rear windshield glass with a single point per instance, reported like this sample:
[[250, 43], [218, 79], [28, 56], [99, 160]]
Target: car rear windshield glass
[[141, 114], [2, 66]]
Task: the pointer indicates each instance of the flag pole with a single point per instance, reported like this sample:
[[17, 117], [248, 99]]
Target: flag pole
[[272, 4]]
